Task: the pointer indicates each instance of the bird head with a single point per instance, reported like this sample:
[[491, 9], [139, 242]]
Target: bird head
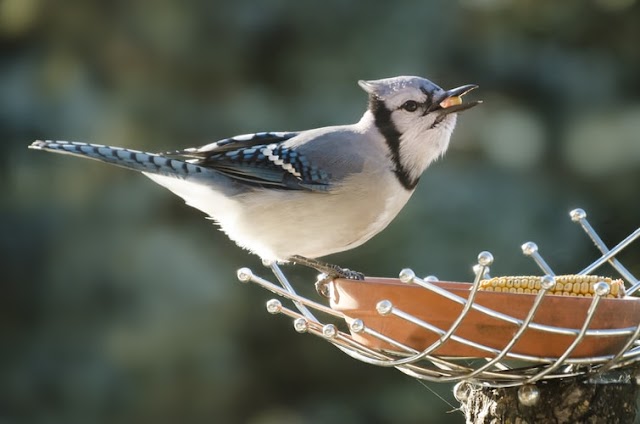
[[416, 118]]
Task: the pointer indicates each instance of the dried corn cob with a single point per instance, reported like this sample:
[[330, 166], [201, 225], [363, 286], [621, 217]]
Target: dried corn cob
[[566, 285]]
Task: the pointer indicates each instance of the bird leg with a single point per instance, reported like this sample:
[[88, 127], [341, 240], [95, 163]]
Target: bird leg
[[332, 271]]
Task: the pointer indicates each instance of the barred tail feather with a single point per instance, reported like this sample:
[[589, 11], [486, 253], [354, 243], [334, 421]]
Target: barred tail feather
[[200, 187], [132, 159]]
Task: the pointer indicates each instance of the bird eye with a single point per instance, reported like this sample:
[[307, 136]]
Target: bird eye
[[410, 106]]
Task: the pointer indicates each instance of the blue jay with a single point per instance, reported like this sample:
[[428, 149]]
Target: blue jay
[[298, 196]]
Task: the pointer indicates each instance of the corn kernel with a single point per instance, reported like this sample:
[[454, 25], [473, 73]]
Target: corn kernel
[[614, 289], [584, 287]]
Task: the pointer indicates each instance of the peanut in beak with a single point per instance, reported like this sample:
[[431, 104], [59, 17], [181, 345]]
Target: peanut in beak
[[451, 101]]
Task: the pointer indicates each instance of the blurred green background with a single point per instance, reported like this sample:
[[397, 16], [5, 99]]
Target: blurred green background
[[120, 304]]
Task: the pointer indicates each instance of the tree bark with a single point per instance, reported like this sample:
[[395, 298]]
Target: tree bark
[[561, 401]]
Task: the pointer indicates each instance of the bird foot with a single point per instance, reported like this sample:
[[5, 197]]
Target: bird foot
[[332, 271]]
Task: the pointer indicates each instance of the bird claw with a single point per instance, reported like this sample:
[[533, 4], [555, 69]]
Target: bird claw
[[322, 284], [349, 274]]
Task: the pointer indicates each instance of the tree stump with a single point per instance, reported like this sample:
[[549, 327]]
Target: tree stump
[[569, 400]]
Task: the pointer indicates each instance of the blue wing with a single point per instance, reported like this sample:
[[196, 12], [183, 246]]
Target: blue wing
[[260, 159]]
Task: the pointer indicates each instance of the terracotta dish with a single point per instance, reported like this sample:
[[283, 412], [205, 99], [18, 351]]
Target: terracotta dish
[[358, 300]]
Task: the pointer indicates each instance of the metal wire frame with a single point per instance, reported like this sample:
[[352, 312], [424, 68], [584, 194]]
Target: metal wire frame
[[501, 367]]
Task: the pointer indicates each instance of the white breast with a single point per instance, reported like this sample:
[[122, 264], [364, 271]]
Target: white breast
[[277, 224]]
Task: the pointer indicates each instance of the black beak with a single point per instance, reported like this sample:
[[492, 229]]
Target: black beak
[[447, 106]]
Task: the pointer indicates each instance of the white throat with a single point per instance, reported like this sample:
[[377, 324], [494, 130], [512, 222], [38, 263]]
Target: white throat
[[419, 146]]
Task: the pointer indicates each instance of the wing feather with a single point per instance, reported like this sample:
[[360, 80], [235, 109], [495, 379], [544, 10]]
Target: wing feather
[[259, 159]]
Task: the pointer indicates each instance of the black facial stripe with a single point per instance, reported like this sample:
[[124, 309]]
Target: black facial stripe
[[429, 104], [382, 119], [429, 96]]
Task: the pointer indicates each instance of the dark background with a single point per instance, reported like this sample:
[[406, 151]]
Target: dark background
[[120, 304]]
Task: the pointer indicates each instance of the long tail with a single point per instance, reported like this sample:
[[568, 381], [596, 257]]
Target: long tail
[[126, 158]]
